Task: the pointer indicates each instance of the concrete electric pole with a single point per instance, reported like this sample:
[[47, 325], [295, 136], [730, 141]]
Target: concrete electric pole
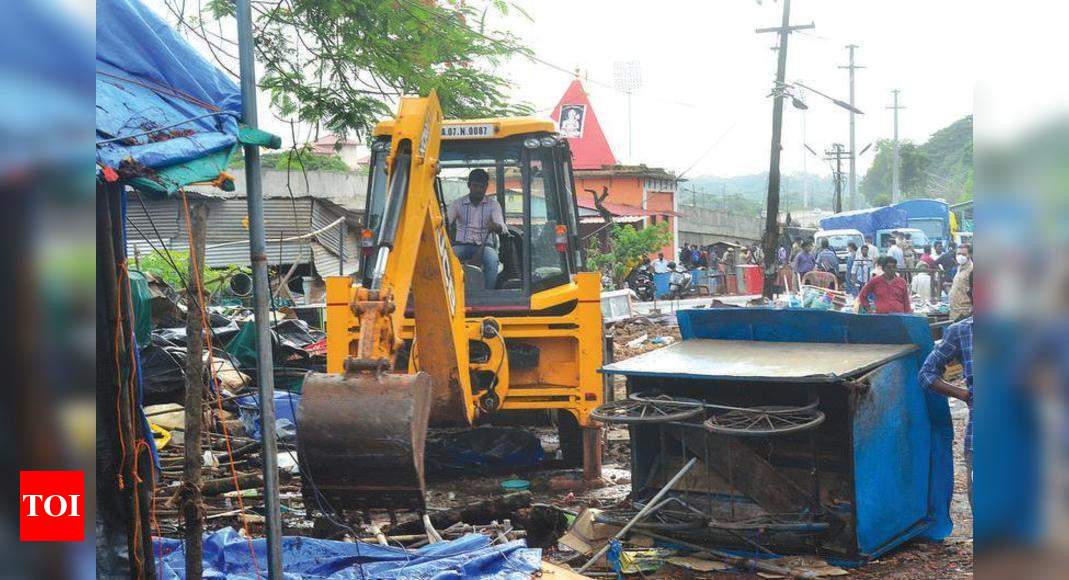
[[837, 155], [853, 135], [771, 236], [896, 192]]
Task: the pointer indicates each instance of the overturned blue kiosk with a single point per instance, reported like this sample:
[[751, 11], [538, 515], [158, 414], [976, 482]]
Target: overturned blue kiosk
[[811, 431]]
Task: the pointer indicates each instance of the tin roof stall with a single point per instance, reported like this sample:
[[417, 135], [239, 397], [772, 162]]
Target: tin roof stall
[[811, 431]]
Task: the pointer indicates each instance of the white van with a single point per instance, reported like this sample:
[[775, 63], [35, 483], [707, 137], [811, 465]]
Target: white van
[[837, 240], [917, 238]]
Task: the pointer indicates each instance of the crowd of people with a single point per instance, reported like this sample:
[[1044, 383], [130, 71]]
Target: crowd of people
[[889, 282]]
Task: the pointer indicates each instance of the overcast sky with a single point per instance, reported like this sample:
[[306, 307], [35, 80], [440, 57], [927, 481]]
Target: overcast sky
[[706, 74]]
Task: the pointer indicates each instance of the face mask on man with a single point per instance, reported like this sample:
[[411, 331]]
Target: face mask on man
[[962, 258]]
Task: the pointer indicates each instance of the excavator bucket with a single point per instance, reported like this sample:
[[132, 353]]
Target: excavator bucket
[[361, 439]]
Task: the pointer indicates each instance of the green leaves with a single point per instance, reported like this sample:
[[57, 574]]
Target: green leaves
[[627, 246], [344, 63], [941, 167]]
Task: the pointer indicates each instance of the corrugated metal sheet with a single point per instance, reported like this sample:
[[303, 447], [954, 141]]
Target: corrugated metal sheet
[[284, 217], [326, 262]]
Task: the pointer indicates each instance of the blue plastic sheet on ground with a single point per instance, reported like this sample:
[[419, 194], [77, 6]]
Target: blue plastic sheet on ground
[[286, 404], [150, 79], [226, 555], [484, 449]]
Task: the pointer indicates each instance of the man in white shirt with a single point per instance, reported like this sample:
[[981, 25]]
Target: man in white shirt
[[475, 217], [872, 252], [922, 283], [660, 265], [861, 270], [895, 252]]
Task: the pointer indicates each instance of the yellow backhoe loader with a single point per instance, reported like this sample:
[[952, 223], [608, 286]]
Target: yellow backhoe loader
[[420, 339]]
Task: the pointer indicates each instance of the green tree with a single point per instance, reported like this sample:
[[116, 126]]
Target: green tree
[[876, 184], [295, 160], [344, 63], [627, 246], [941, 167], [161, 264]]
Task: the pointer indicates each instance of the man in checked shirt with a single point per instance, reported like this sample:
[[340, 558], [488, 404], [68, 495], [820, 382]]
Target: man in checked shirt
[[475, 217], [955, 346]]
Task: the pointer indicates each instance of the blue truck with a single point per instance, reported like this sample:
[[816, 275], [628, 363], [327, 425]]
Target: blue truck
[[870, 222], [931, 216]]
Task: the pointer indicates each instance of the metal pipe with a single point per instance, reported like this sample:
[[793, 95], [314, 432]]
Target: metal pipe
[[641, 514], [341, 248], [261, 292]]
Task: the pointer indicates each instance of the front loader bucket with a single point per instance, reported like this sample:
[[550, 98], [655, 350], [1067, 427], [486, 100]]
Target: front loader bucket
[[361, 438]]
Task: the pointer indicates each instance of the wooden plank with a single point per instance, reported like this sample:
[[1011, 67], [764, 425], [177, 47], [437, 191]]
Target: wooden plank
[[751, 474]]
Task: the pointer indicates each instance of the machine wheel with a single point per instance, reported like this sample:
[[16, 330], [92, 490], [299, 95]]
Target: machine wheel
[[570, 435]]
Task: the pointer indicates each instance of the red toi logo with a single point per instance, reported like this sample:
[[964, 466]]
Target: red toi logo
[[52, 506]]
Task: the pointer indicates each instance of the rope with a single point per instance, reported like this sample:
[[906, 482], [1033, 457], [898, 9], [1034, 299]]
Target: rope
[[202, 309], [162, 89], [280, 240], [164, 128]]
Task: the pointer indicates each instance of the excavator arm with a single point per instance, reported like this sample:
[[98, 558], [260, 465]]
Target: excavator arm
[[414, 260], [362, 426]]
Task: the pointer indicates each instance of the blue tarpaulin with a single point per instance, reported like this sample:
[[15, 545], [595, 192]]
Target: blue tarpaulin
[[286, 404], [159, 103], [226, 555]]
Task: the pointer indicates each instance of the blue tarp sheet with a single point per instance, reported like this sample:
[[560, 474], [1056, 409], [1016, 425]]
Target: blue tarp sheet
[[286, 404], [226, 555], [866, 221], [148, 79]]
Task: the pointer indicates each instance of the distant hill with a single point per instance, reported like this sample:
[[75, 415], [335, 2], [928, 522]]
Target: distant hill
[[940, 167], [747, 193]]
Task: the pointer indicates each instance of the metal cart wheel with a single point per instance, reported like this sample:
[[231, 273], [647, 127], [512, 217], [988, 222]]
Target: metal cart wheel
[[765, 421], [656, 409]]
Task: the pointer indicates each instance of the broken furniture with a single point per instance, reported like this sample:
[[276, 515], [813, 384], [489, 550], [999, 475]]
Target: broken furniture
[[810, 428]]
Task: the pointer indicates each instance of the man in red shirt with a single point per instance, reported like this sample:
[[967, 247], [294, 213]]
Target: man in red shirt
[[927, 258], [890, 291]]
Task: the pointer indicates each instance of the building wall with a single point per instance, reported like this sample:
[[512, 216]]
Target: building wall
[[634, 191], [345, 189], [665, 200], [703, 226]]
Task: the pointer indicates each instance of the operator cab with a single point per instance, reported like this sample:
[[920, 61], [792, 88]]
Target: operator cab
[[530, 178]]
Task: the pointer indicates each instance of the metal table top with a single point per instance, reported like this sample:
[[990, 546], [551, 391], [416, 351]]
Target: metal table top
[[807, 362]]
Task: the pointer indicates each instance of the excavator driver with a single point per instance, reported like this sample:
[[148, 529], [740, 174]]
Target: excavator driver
[[475, 217]]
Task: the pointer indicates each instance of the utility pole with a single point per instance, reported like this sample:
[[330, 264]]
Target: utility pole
[[896, 193], [853, 135], [805, 168], [261, 292], [837, 155], [771, 236]]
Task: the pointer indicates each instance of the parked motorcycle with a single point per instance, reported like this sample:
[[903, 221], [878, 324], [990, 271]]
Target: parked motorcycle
[[679, 282], [641, 282]]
